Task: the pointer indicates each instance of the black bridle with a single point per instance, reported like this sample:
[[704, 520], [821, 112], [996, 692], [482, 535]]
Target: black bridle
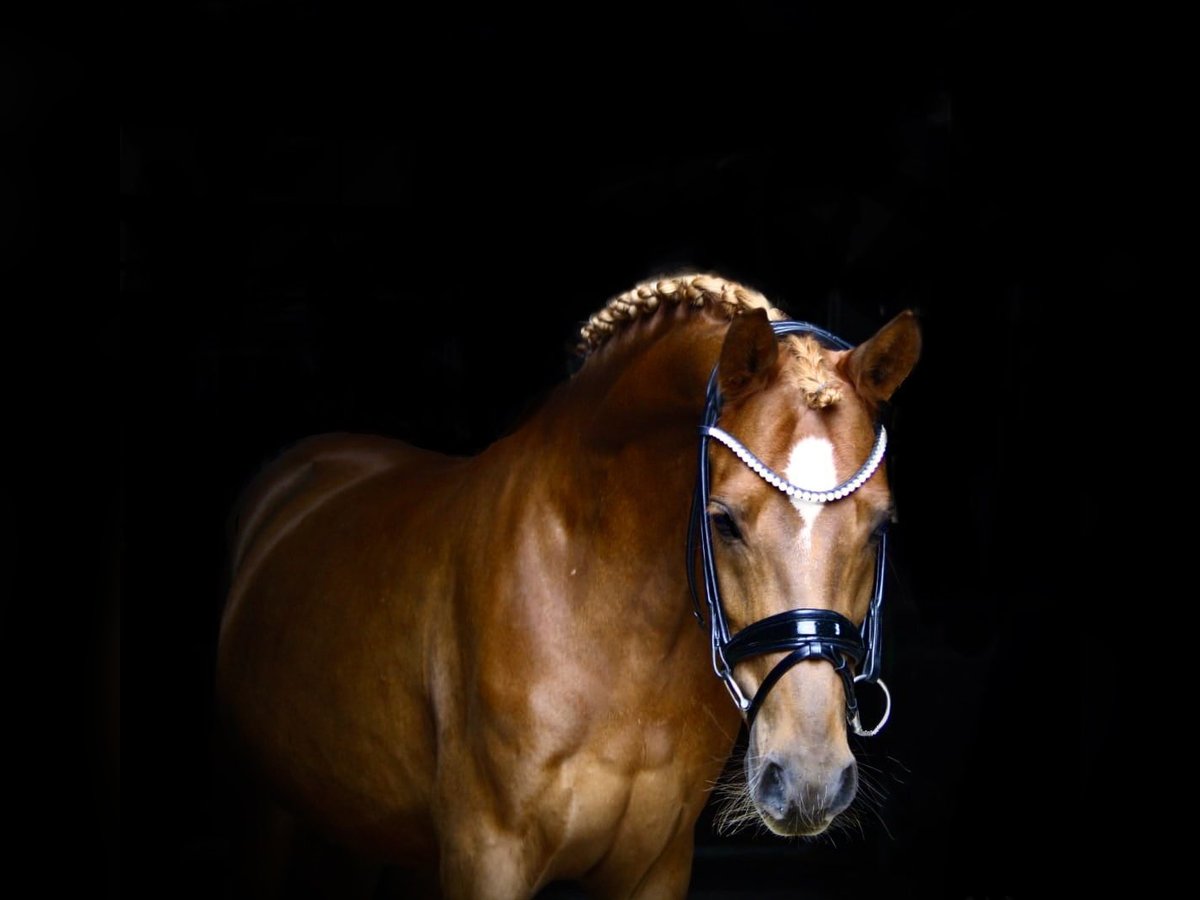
[[808, 633]]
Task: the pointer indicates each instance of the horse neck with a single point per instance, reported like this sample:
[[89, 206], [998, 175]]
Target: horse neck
[[640, 399], [619, 459]]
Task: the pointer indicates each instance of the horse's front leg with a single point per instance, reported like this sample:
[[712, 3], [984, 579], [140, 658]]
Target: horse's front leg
[[481, 862]]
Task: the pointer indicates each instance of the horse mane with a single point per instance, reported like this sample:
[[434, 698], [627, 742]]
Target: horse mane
[[811, 374]]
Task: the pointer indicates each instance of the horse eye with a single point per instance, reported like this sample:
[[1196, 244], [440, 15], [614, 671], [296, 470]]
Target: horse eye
[[725, 526]]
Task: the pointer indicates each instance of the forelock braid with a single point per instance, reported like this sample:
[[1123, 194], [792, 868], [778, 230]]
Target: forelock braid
[[813, 375]]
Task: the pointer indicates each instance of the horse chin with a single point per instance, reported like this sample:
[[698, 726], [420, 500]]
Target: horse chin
[[793, 826]]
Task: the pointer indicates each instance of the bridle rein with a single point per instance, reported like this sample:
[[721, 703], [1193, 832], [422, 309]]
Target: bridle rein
[[808, 633]]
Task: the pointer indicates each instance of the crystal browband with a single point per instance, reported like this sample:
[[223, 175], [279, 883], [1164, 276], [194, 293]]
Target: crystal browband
[[777, 481]]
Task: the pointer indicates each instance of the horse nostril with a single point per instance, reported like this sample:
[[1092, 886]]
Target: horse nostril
[[772, 789], [847, 785]]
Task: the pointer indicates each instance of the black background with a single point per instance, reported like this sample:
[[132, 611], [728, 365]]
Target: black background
[[392, 220]]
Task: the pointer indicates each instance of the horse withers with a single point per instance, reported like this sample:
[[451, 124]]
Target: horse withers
[[488, 670]]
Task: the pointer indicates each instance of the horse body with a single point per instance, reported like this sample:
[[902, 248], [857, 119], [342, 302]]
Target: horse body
[[485, 661], [488, 667]]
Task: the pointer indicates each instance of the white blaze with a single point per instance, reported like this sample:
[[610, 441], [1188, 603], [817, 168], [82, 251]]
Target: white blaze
[[811, 466]]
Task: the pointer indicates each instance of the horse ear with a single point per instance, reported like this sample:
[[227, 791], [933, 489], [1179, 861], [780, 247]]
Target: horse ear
[[749, 352], [878, 366]]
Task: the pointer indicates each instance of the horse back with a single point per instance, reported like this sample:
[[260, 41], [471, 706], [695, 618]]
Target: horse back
[[307, 475]]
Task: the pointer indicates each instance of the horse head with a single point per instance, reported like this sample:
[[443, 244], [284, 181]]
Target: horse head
[[796, 506]]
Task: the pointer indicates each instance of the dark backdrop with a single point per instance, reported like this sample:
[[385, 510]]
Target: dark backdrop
[[336, 217]]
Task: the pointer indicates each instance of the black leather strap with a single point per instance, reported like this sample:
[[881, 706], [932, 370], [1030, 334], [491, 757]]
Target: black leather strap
[[806, 651], [796, 628]]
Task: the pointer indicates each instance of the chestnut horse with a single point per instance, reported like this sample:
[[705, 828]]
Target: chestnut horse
[[488, 668]]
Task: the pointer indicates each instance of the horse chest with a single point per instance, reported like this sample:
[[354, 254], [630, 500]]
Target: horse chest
[[608, 807]]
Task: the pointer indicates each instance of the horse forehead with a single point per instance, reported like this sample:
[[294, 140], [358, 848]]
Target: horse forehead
[[781, 429], [786, 423], [816, 449], [812, 464]]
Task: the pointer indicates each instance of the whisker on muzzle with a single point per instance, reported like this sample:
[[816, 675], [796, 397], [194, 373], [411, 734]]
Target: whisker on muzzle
[[736, 810], [734, 793], [872, 793]]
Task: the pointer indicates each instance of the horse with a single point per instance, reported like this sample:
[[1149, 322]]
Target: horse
[[488, 669]]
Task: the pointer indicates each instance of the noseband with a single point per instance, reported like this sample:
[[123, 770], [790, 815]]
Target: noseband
[[808, 633]]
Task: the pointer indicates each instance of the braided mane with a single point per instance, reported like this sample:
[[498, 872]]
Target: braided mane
[[726, 298]]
